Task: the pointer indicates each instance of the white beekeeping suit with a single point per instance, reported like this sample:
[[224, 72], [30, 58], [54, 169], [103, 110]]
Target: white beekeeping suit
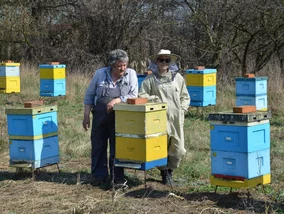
[[169, 87]]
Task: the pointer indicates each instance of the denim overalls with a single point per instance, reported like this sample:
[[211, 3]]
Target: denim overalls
[[103, 130]]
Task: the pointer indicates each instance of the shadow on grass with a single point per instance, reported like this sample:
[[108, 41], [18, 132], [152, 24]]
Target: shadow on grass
[[236, 200], [149, 192], [69, 178]]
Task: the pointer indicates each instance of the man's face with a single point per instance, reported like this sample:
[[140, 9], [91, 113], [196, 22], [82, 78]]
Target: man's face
[[119, 68], [163, 62]]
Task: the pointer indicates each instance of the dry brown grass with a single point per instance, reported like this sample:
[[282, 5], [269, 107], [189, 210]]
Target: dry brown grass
[[71, 190]]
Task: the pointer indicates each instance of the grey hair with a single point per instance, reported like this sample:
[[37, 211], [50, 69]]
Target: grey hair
[[117, 55]]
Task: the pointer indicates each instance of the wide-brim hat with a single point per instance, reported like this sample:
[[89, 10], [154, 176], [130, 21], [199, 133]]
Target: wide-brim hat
[[163, 52]]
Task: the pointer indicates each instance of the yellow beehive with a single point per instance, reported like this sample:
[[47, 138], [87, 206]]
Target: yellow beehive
[[141, 149], [141, 119], [52, 71], [247, 183], [201, 79], [10, 84]]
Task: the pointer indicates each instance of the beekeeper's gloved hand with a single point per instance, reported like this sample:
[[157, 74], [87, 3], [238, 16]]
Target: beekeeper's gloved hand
[[154, 99]]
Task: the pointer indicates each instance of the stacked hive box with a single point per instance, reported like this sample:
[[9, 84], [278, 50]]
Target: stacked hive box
[[240, 149], [252, 91], [141, 137], [52, 80], [201, 86], [9, 77], [141, 77], [33, 136]]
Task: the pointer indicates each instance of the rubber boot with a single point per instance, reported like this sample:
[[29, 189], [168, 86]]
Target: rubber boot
[[167, 178]]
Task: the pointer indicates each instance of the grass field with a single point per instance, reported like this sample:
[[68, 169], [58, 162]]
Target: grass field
[[70, 191]]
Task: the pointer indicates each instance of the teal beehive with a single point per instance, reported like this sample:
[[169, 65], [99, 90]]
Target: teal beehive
[[251, 86], [260, 101], [240, 164], [202, 96], [38, 153], [240, 136], [52, 88], [31, 123]]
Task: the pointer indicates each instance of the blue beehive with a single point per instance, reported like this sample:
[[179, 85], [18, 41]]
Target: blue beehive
[[33, 136], [240, 164], [251, 86], [9, 70], [140, 77], [39, 153], [52, 88], [259, 101], [202, 96], [240, 145], [239, 136], [31, 123]]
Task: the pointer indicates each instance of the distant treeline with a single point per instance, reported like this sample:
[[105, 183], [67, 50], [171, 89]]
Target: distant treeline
[[230, 35]]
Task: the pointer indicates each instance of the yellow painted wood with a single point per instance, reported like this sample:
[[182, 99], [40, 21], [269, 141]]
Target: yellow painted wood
[[201, 79], [14, 137], [10, 84], [147, 107], [139, 149], [250, 183], [52, 73], [32, 111], [9, 64], [140, 123]]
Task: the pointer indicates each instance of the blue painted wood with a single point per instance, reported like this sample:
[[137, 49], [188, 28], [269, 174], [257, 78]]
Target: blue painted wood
[[247, 165], [240, 138], [39, 153], [52, 88], [251, 86], [32, 124]]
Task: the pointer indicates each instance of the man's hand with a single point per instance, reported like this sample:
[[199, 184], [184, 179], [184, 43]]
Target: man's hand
[[111, 104], [86, 122]]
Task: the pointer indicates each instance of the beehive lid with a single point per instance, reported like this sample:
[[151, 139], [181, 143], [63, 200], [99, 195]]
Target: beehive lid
[[205, 71], [240, 117], [51, 66], [147, 107], [9, 64], [251, 78], [31, 111]]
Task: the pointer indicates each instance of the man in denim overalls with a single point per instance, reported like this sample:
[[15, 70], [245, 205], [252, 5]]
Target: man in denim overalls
[[109, 86]]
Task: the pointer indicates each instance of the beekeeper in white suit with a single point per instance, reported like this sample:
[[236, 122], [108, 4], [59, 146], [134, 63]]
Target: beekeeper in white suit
[[165, 84]]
